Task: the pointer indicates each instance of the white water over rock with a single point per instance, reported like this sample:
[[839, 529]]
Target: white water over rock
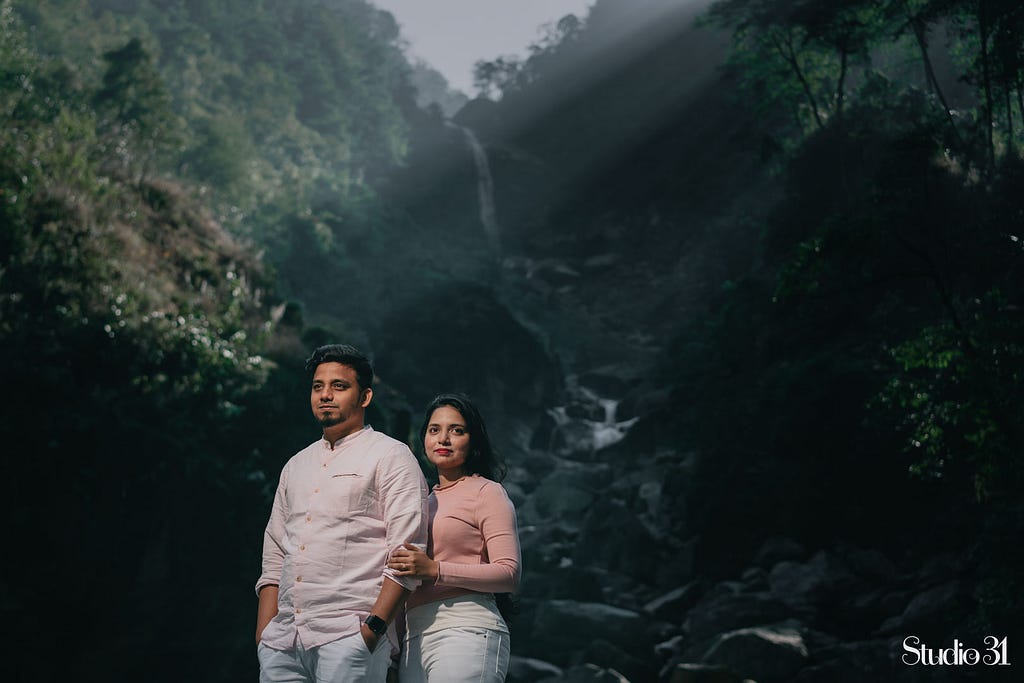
[[484, 186], [582, 434]]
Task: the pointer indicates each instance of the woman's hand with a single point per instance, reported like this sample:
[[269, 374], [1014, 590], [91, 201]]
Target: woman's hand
[[412, 562]]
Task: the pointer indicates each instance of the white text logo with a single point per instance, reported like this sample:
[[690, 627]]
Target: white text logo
[[993, 654]]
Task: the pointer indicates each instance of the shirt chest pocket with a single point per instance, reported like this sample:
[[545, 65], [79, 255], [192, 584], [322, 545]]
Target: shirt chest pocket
[[348, 492]]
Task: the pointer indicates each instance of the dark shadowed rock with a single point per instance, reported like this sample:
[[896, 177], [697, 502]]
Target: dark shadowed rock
[[484, 351], [611, 380], [608, 655], [755, 578], [850, 663], [932, 612], [564, 494], [868, 563], [670, 648], [561, 627], [527, 670], [592, 673], [672, 606], [779, 549], [822, 578], [768, 654], [703, 673], [940, 569], [566, 579], [730, 612], [862, 612], [613, 537]]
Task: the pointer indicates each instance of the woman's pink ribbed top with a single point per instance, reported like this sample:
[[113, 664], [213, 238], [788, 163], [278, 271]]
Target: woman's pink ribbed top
[[474, 539]]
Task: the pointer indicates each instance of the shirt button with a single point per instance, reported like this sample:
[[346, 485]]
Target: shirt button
[[323, 465], [298, 579], [309, 518], [298, 610], [302, 547], [316, 490]]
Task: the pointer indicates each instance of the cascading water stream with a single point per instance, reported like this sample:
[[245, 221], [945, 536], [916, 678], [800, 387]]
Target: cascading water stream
[[582, 435], [484, 186]]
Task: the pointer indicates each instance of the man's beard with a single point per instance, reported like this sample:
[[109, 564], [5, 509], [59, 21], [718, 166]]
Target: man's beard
[[331, 419]]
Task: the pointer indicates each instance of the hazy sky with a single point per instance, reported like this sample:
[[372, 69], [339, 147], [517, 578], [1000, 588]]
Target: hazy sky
[[451, 35]]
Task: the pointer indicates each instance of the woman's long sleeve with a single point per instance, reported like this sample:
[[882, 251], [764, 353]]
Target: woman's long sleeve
[[499, 570]]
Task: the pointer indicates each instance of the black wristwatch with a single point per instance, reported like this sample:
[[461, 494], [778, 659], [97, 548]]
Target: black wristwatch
[[376, 624]]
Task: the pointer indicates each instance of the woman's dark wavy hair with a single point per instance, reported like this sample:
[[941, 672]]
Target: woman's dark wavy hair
[[483, 459]]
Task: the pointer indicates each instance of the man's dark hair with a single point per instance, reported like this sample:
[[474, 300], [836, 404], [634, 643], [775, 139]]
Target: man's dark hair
[[346, 355]]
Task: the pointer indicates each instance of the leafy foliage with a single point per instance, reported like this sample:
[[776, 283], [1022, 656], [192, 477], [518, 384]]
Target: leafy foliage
[[874, 350], [267, 109], [130, 327]]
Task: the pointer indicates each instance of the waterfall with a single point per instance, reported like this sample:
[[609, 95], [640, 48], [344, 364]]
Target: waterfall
[[582, 434], [484, 186]]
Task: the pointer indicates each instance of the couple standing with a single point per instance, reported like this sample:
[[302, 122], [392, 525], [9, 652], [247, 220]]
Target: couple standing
[[347, 593]]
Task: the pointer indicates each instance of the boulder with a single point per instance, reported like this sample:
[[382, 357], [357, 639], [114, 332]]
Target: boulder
[[755, 578], [850, 663], [591, 673], [669, 648], [930, 613], [779, 549], [703, 673], [566, 579], [614, 538], [674, 605], [562, 496], [528, 670], [724, 613], [609, 655], [561, 628], [824, 577], [869, 563], [768, 654]]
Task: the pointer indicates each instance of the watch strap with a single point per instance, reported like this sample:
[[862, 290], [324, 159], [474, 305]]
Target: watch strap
[[376, 624]]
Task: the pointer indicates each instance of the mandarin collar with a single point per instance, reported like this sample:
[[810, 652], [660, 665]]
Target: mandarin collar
[[345, 439]]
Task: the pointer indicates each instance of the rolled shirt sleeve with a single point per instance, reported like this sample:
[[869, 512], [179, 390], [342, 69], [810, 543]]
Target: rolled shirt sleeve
[[273, 537], [403, 495]]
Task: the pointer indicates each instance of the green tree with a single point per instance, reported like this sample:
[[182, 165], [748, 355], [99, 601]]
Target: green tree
[[136, 119]]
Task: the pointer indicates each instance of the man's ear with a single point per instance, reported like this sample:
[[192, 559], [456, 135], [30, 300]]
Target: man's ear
[[367, 397]]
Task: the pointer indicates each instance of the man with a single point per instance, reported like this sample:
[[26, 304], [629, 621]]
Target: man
[[326, 596]]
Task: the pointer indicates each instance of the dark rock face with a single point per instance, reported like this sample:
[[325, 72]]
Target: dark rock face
[[612, 587], [460, 337], [566, 625]]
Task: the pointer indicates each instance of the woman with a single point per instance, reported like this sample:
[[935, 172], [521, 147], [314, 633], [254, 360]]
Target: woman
[[455, 629]]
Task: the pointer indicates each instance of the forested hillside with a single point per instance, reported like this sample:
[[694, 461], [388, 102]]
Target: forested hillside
[[738, 285], [150, 154]]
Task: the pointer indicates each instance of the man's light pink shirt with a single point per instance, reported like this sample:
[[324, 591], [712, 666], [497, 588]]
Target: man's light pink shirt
[[338, 512]]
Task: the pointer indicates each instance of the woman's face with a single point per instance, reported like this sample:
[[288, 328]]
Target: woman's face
[[446, 442]]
